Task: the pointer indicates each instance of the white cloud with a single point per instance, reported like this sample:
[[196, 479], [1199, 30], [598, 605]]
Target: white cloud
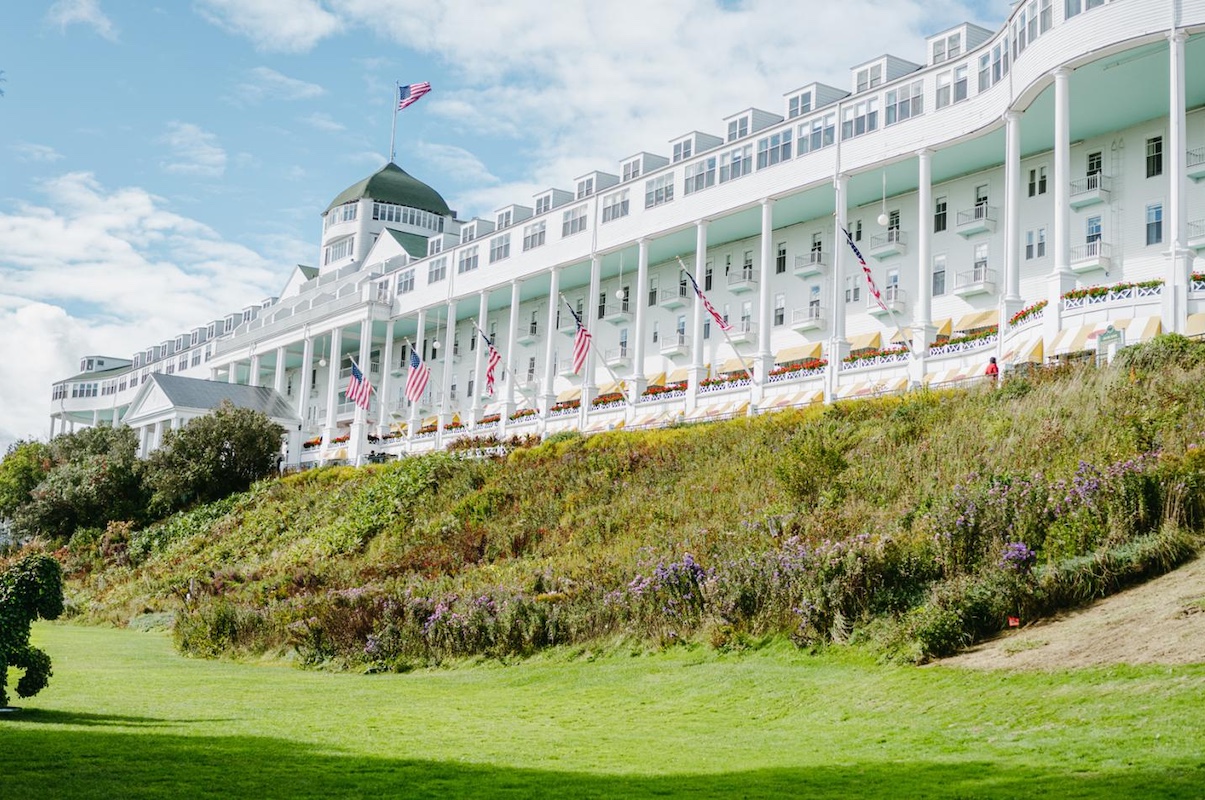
[[289, 26], [323, 122], [82, 12], [195, 151], [99, 271], [26, 151], [264, 83]]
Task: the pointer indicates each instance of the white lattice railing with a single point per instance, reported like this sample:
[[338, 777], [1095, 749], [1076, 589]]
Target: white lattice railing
[[562, 412], [1029, 320], [662, 396], [877, 361], [1112, 296], [725, 386], [796, 375], [609, 406], [962, 347]]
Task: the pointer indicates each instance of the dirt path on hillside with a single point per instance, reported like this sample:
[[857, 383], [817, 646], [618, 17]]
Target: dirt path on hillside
[[1160, 622]]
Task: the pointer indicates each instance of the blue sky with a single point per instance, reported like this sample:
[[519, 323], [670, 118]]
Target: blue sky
[[161, 165]]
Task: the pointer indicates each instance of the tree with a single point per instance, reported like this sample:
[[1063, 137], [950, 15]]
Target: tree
[[30, 589], [213, 456], [24, 466]]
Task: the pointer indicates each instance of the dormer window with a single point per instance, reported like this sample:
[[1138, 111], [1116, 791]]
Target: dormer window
[[468, 234], [543, 204], [799, 104], [504, 219], [682, 150], [585, 188], [631, 170], [435, 245], [738, 129], [870, 77], [947, 47]]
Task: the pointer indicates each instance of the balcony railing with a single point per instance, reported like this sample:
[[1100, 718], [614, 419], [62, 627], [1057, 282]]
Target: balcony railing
[[1090, 190], [807, 319], [1196, 234], [529, 333], [617, 312], [742, 280], [812, 263], [891, 243], [1091, 256], [980, 219], [977, 280], [1196, 163], [743, 330], [617, 356], [675, 298], [893, 298], [675, 344]]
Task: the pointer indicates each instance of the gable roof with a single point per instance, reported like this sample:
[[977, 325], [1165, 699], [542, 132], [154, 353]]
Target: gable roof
[[202, 395], [412, 243], [392, 184]]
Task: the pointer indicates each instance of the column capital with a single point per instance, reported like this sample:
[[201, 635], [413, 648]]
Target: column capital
[[767, 201], [1178, 35], [702, 223], [840, 178], [1061, 73], [924, 153], [1012, 116]]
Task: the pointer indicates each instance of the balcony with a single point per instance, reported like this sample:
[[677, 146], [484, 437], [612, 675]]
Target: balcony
[[675, 344], [809, 265], [807, 319], [743, 330], [1196, 164], [1090, 191], [743, 280], [675, 298], [529, 333], [617, 357], [567, 325], [978, 280], [888, 244], [1091, 256], [980, 219], [564, 368], [617, 312], [1196, 234], [893, 298]]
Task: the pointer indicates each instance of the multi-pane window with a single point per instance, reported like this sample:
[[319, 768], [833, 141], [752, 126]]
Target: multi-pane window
[[435, 245], [939, 215], [774, 149], [860, 118], [1037, 181], [1154, 156], [960, 83], [659, 190], [947, 48], [893, 226], [738, 129], [533, 234], [939, 275], [1092, 230], [853, 289], [654, 289], [993, 65], [820, 132], [504, 219], [437, 270], [708, 271], [573, 221], [1094, 163], [1074, 7], [405, 281], [615, 205], [544, 204], [945, 89], [980, 262], [468, 260], [585, 188], [682, 150], [468, 234], [870, 77], [799, 104], [700, 175], [736, 163], [857, 230], [631, 170], [1154, 223], [981, 196], [780, 309], [1035, 243], [499, 247], [343, 213], [780, 260], [389, 212], [905, 102], [339, 250]]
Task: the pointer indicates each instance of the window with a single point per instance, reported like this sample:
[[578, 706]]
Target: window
[[1154, 223], [631, 170], [700, 175], [747, 266], [656, 331], [682, 150], [468, 234], [623, 341], [544, 204], [736, 163], [1047, 15], [939, 215], [780, 260], [860, 118], [435, 245], [573, 221], [1037, 181], [893, 226], [1035, 244], [853, 289], [981, 197], [946, 48], [870, 77], [659, 190], [738, 129], [707, 273], [780, 309], [857, 230], [615, 205], [680, 329], [1092, 230], [891, 292], [817, 252], [504, 219], [499, 248], [405, 281], [343, 213], [774, 149], [939, 275], [654, 287], [533, 235], [585, 188], [799, 104], [818, 133], [960, 83], [905, 102], [1154, 156], [980, 262], [814, 302], [1074, 7], [944, 90], [993, 65], [468, 260], [1094, 164], [437, 270], [338, 250]]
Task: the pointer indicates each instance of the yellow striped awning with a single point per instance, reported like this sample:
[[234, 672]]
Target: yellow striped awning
[[657, 379], [941, 327], [569, 394], [978, 319], [803, 352], [613, 386], [866, 341], [1196, 325], [733, 365], [1140, 329], [679, 375]]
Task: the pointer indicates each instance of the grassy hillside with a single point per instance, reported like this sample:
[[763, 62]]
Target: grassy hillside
[[918, 523]]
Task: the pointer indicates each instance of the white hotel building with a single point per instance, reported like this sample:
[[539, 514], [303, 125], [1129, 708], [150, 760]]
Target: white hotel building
[[1008, 173]]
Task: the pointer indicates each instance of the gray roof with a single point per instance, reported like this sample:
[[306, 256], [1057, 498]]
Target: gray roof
[[197, 393]]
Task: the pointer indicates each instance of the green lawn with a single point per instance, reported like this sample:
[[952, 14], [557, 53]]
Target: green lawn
[[125, 716]]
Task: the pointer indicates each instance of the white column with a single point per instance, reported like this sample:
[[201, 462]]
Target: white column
[[253, 375], [1061, 279], [838, 346], [922, 319], [382, 393], [765, 355], [144, 441], [483, 310], [511, 359], [1180, 266], [554, 301], [698, 352], [358, 435], [334, 360], [445, 405], [303, 381], [1012, 211], [95, 417], [53, 419], [636, 383], [417, 344], [278, 378], [232, 372], [589, 384]]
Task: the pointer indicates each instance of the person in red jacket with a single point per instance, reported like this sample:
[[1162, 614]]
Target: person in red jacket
[[993, 371]]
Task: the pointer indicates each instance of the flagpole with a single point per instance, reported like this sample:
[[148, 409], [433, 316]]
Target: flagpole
[[397, 88], [606, 366], [890, 311], [727, 338]]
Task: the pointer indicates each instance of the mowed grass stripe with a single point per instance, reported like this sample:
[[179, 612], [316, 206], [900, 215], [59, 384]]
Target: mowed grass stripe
[[125, 716]]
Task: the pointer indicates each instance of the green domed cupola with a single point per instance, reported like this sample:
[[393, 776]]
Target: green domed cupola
[[392, 184]]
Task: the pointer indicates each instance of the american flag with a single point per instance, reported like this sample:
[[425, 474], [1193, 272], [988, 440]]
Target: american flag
[[493, 359], [359, 390], [416, 381], [719, 319], [874, 290], [581, 342], [408, 95]]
